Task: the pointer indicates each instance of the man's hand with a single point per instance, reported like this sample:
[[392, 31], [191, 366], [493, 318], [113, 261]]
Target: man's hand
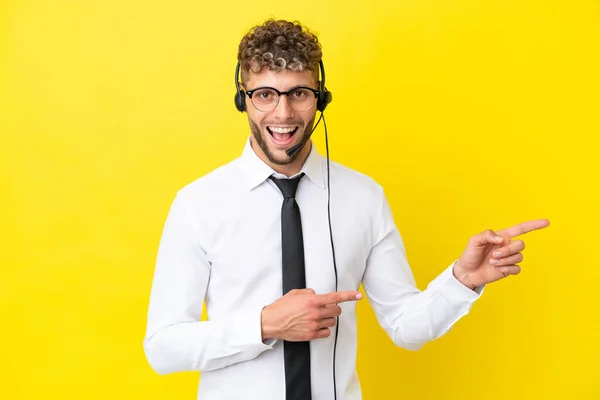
[[491, 256], [302, 315]]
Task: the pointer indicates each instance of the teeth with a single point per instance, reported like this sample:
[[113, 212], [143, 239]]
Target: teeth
[[278, 129]]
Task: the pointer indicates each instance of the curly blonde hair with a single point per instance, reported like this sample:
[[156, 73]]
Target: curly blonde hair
[[278, 45]]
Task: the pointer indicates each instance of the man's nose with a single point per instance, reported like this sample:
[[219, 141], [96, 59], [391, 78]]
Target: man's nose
[[283, 109]]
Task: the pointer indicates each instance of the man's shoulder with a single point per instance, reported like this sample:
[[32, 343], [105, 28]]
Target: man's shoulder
[[346, 176], [220, 178]]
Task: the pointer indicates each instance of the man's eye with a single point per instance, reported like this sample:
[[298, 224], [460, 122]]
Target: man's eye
[[300, 93]]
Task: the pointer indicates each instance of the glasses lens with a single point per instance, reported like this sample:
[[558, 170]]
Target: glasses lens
[[301, 99], [265, 99]]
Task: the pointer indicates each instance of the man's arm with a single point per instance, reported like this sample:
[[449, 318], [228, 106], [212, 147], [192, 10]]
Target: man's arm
[[175, 338], [409, 316]]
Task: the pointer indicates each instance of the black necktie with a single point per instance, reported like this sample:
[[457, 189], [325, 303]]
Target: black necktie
[[296, 354]]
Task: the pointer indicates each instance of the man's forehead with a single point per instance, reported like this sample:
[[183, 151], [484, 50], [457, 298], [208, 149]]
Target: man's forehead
[[282, 80]]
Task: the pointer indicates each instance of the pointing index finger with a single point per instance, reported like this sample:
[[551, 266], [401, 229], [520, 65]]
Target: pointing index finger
[[339, 297], [524, 227]]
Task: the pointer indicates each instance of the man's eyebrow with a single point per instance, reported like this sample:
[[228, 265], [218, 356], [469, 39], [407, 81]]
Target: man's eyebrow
[[304, 85]]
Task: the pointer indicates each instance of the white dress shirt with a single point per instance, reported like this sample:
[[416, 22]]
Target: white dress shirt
[[222, 244]]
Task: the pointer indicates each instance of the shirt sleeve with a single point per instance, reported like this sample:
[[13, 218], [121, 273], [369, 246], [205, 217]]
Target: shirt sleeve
[[410, 317], [176, 340]]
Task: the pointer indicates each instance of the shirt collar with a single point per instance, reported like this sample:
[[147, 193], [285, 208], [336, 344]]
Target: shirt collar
[[256, 171]]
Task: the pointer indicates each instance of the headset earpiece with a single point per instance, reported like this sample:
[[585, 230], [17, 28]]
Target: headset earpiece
[[324, 99], [240, 102], [240, 95], [325, 96]]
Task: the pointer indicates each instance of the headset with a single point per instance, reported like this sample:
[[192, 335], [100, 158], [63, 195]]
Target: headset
[[323, 99]]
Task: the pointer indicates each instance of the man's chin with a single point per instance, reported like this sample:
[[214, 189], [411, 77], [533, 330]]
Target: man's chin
[[279, 156]]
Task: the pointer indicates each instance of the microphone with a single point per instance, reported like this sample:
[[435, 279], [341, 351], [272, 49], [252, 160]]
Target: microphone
[[292, 150]]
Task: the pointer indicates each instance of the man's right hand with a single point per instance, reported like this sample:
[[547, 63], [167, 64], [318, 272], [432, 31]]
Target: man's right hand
[[302, 315]]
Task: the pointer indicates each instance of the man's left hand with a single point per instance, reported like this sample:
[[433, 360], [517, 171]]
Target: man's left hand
[[491, 256]]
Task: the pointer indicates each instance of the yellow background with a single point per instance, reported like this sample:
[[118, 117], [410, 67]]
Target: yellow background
[[472, 114]]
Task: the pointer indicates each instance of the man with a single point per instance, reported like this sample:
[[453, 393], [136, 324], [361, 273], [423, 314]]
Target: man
[[252, 239]]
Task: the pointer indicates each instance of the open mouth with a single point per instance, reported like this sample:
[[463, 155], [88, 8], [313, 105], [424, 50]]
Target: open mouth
[[282, 135]]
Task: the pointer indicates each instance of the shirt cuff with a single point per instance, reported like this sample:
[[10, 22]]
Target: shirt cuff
[[248, 333], [451, 288]]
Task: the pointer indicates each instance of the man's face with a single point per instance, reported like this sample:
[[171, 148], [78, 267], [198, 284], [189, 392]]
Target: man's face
[[278, 130]]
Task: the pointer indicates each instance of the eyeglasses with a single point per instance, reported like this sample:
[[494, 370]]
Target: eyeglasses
[[267, 98]]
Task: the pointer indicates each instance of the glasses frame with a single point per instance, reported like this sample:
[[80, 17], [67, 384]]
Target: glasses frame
[[279, 93]]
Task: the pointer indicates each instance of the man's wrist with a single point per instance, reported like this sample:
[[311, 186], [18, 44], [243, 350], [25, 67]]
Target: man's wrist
[[462, 277], [266, 327]]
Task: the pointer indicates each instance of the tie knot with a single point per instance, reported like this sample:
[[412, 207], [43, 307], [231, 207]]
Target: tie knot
[[287, 187]]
